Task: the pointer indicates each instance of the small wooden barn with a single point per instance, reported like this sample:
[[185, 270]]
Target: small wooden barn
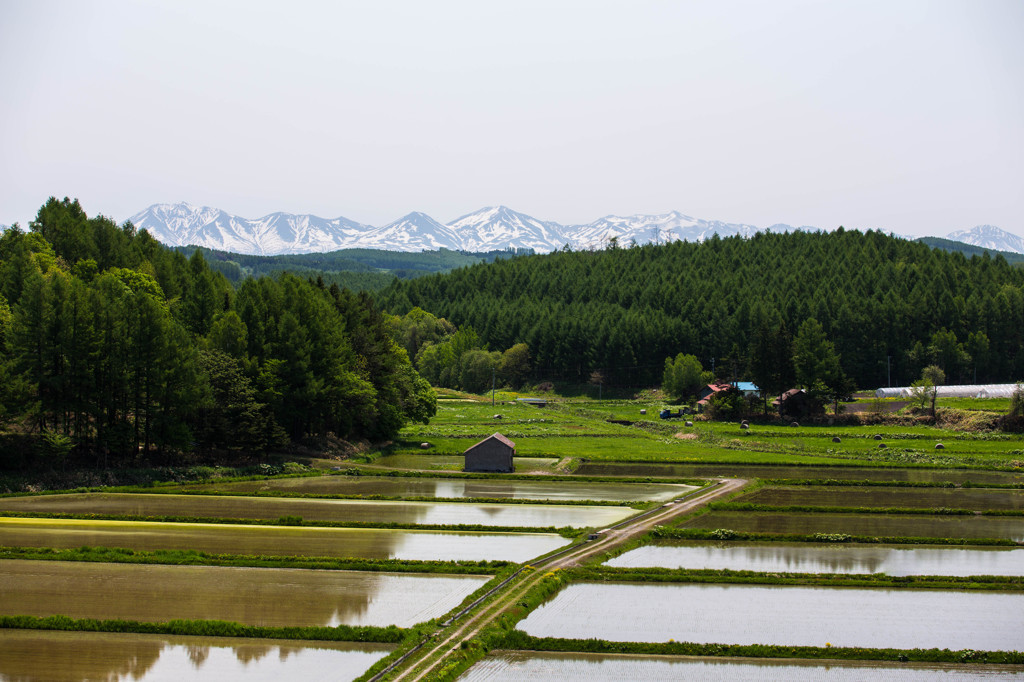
[[796, 404], [493, 453]]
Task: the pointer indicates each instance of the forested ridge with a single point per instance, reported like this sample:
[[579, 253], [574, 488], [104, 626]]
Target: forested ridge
[[971, 250], [890, 306], [115, 346], [356, 269]]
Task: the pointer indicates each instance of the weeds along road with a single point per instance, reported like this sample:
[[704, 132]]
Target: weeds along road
[[431, 655]]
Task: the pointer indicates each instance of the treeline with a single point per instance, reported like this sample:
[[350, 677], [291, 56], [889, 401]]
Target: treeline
[[112, 344], [969, 250], [355, 269], [889, 307]]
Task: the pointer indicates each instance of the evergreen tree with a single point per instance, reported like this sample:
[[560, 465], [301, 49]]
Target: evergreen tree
[[771, 361]]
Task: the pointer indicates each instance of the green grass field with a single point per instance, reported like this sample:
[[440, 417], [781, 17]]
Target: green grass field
[[585, 430]]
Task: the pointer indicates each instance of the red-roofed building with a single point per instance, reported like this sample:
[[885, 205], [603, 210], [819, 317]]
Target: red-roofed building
[[493, 453], [710, 390]]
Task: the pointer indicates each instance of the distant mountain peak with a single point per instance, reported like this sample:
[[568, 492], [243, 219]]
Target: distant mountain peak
[[499, 227], [989, 237]]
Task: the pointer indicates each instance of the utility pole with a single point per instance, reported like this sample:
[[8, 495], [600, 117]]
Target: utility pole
[[888, 376], [492, 387]]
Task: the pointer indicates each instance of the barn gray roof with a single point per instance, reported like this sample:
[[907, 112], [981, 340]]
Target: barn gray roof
[[498, 437]]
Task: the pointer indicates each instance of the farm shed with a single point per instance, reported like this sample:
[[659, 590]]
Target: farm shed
[[795, 403], [493, 453]]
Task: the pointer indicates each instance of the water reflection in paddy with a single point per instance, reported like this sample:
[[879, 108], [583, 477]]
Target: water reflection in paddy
[[829, 558], [874, 525], [800, 472], [341, 511], [784, 615], [407, 486], [879, 496], [517, 666], [253, 596], [365, 543], [74, 656]]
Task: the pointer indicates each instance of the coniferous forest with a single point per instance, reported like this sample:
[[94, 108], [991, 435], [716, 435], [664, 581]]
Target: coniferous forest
[[113, 346], [888, 306]]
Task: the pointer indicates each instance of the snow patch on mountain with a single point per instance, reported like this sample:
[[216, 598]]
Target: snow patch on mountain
[[989, 237], [660, 228], [413, 232], [499, 227]]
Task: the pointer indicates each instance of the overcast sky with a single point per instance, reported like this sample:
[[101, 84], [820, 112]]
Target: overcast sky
[[905, 116]]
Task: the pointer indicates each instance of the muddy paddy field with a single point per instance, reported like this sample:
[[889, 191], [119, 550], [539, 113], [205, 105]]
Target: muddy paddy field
[[902, 563]]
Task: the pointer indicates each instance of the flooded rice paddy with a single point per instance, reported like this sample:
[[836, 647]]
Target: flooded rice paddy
[[873, 496], [783, 615], [405, 486], [363, 543], [340, 511], [873, 525], [779, 557], [668, 470], [518, 666], [75, 656], [252, 596]]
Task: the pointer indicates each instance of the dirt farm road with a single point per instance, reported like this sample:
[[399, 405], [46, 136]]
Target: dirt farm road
[[431, 656]]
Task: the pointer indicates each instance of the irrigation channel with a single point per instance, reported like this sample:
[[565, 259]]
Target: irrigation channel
[[430, 653]]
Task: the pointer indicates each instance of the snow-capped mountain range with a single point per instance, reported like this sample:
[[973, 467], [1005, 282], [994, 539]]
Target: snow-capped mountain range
[[183, 224], [491, 228]]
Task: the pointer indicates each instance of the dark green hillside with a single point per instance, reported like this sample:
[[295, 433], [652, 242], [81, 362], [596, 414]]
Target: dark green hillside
[[355, 269], [623, 311], [971, 250]]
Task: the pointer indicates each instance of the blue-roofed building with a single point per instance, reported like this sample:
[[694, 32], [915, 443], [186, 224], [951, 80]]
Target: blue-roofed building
[[748, 388]]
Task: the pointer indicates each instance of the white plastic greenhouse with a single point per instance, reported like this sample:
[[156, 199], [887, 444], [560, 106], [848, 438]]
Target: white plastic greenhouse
[[968, 391]]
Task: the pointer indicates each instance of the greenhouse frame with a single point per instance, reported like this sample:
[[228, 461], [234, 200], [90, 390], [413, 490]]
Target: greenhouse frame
[[965, 391]]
